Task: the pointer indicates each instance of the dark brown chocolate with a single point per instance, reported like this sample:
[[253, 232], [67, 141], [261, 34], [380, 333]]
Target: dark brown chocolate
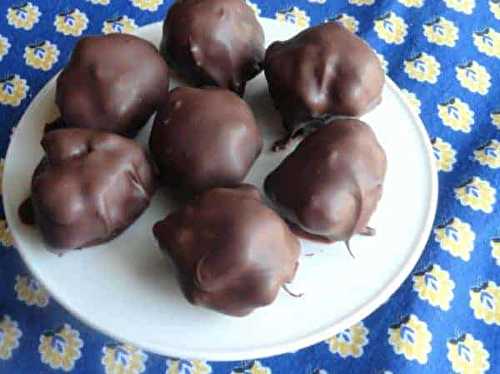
[[90, 186], [231, 252], [26, 213], [323, 71], [330, 185], [112, 83], [214, 42], [204, 138]]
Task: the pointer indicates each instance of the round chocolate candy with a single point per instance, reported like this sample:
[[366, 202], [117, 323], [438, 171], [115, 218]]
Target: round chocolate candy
[[329, 187], [323, 71], [231, 252], [90, 186], [204, 138], [112, 83], [214, 42]]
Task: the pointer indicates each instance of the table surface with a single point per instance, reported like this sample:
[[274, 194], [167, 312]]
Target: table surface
[[444, 54]]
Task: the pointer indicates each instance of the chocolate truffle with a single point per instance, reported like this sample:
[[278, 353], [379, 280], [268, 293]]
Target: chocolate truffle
[[90, 186], [204, 138], [112, 83], [231, 252], [329, 187], [213, 42], [321, 72]]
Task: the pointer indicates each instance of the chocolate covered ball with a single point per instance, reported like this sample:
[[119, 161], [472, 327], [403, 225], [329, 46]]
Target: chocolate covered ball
[[214, 42], [231, 252], [112, 83], [329, 187], [204, 138], [90, 186], [323, 71]]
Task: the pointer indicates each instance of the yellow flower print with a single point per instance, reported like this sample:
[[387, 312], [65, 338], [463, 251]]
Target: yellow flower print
[[41, 55], [411, 338], [254, 7], [254, 367], [423, 68], [441, 31], [495, 8], [13, 90], [71, 23], [391, 28], [295, 16], [177, 366], [456, 237], [412, 100], [456, 114], [31, 292], [485, 302], [349, 22], [412, 3], [474, 77], [4, 47], [464, 6], [150, 5], [9, 337], [361, 2], [478, 194], [121, 24], [495, 249], [100, 2], [60, 348], [488, 42], [435, 286], [349, 342], [24, 16], [444, 153], [6, 238], [489, 154], [495, 119], [123, 359], [467, 355]]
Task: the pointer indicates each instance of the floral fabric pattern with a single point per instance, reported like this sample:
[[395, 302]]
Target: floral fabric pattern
[[444, 55]]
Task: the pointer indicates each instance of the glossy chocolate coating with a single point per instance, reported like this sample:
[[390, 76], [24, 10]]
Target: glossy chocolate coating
[[204, 138], [90, 186], [214, 42], [330, 185], [231, 252], [321, 72], [112, 83]]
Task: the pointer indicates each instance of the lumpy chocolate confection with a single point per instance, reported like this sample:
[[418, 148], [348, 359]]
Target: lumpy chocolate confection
[[323, 71], [204, 138], [329, 187], [231, 252], [112, 83], [90, 186], [214, 42]]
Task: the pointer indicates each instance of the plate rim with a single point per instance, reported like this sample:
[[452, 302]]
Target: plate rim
[[312, 338]]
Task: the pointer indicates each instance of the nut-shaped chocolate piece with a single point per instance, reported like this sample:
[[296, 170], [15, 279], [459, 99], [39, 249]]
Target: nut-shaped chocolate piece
[[214, 42], [90, 186], [330, 185], [204, 138], [323, 71], [112, 83], [231, 252]]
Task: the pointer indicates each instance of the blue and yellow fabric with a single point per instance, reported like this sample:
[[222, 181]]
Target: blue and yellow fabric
[[444, 54]]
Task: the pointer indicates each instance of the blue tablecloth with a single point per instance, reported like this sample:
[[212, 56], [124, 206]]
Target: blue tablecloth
[[445, 54]]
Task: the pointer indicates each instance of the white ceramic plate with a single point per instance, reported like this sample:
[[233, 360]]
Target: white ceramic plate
[[126, 288]]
